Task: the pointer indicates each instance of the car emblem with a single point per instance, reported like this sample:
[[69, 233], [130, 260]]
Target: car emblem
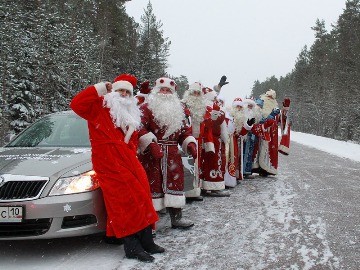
[[2, 181]]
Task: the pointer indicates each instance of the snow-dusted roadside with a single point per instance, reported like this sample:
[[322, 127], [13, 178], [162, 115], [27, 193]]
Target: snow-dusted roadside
[[334, 147]]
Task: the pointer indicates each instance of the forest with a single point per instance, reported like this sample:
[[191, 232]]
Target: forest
[[324, 84], [51, 49]]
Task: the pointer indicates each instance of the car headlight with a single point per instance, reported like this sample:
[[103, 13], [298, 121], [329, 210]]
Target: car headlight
[[75, 184]]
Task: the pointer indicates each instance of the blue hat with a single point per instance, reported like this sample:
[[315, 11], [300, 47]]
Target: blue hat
[[259, 102]]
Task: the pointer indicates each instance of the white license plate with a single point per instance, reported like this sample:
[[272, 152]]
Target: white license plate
[[11, 213]]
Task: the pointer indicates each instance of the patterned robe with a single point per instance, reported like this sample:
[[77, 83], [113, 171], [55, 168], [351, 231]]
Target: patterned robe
[[166, 175]]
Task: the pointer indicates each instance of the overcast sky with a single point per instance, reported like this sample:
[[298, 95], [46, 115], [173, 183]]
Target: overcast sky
[[245, 40]]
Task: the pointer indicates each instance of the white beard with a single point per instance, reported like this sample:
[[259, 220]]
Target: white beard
[[269, 105], [239, 119], [257, 114], [168, 112], [123, 110], [197, 107], [209, 98]]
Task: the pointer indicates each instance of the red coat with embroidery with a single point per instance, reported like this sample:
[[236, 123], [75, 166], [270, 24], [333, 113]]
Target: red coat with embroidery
[[122, 178], [166, 175]]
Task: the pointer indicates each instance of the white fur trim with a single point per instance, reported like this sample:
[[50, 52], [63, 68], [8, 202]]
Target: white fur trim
[[193, 193], [207, 185], [158, 204], [217, 88], [209, 147], [145, 140], [247, 127], [224, 132], [100, 88], [186, 142], [283, 149], [264, 159], [123, 85], [237, 103], [230, 181], [141, 95], [176, 201], [164, 82], [249, 101]]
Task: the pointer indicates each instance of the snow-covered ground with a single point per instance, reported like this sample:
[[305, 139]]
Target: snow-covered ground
[[334, 147], [304, 218]]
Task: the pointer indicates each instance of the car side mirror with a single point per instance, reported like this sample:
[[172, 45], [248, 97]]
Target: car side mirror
[[9, 137]]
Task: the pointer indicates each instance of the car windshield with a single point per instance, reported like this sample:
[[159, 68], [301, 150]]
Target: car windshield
[[56, 130]]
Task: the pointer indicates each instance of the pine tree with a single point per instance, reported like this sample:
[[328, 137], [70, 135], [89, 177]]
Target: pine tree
[[153, 48]]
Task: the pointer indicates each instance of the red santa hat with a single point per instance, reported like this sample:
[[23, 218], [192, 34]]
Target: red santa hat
[[125, 81], [271, 93], [238, 102], [165, 82]]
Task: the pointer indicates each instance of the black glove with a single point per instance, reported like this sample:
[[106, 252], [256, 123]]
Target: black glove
[[251, 121], [223, 81]]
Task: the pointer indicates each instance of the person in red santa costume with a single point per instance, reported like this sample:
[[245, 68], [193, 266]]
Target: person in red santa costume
[[285, 124], [163, 128], [143, 93], [268, 148], [212, 164], [199, 117], [113, 119]]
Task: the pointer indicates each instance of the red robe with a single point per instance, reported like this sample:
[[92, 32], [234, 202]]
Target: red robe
[[205, 142], [212, 164], [166, 175], [284, 147], [122, 179]]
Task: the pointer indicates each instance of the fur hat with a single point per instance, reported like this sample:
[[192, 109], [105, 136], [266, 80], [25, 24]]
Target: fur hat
[[259, 102], [125, 81], [271, 93], [249, 101], [165, 82], [238, 102], [196, 86]]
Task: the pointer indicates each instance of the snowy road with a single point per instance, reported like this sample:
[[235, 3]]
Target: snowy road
[[307, 217]]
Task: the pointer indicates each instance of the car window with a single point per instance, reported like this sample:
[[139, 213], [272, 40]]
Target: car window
[[58, 130]]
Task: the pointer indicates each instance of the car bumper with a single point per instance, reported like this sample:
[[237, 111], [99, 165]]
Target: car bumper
[[57, 216]]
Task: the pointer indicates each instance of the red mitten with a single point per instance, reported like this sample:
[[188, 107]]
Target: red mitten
[[269, 123], [286, 102], [155, 150], [144, 87], [216, 107], [191, 148]]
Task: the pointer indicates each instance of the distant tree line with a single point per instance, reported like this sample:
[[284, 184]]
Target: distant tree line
[[52, 49], [324, 85]]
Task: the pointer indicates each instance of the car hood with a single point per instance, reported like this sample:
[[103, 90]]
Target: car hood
[[47, 162]]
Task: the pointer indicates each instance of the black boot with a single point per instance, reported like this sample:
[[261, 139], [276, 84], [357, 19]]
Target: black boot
[[113, 240], [147, 241], [134, 250], [177, 221]]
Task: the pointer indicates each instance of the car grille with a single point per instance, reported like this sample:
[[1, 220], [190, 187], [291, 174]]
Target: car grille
[[15, 190], [29, 227]]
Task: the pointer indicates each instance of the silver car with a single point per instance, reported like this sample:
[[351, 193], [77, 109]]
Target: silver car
[[47, 186]]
